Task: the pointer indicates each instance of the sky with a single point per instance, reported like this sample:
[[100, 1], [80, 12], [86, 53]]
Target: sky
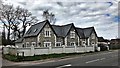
[[102, 15]]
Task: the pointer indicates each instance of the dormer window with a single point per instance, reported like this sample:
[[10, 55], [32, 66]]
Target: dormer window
[[47, 32], [72, 34], [35, 30], [29, 31]]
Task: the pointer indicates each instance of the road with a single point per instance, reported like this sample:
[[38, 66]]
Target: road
[[109, 58]]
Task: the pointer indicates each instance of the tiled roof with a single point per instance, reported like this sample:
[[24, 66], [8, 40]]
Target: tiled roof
[[62, 30], [88, 31], [80, 32], [85, 32], [34, 30]]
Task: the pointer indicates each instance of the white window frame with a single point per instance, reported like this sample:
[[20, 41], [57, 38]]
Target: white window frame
[[58, 43], [71, 43], [83, 43], [27, 44], [34, 43], [93, 43], [47, 32], [47, 44], [93, 36], [72, 34]]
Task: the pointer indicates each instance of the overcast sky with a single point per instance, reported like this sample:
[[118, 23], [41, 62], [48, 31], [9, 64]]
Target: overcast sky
[[102, 15]]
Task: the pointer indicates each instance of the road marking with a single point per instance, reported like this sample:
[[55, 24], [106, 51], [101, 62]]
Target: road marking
[[94, 60], [68, 65]]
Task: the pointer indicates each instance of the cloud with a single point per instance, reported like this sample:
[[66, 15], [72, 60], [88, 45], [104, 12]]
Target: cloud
[[102, 15]]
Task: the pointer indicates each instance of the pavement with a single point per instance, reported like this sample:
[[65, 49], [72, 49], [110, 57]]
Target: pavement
[[106, 58]]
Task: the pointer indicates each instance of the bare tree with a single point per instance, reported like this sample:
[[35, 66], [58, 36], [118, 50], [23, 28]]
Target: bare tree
[[26, 19], [7, 18], [49, 16], [16, 20]]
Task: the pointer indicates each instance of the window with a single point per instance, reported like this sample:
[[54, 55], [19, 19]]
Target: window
[[29, 31], [34, 44], [72, 44], [83, 42], [27, 44], [58, 44], [72, 34], [93, 43], [23, 45], [47, 32], [35, 30], [47, 44], [93, 36]]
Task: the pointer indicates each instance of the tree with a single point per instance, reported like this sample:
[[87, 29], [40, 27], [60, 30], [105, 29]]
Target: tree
[[26, 19], [49, 16], [7, 18], [16, 20]]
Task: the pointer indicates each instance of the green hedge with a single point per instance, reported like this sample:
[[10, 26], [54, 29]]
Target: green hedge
[[36, 57], [114, 46]]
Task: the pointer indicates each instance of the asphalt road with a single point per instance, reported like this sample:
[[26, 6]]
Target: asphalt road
[[110, 58]]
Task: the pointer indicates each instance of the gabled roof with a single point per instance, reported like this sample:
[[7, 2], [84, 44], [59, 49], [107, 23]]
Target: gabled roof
[[60, 31], [63, 30], [85, 32], [34, 30], [88, 31], [80, 32], [100, 39]]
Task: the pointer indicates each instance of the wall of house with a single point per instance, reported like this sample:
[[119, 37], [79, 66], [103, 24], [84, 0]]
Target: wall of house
[[93, 39], [60, 39], [30, 40], [42, 38], [20, 45], [69, 39]]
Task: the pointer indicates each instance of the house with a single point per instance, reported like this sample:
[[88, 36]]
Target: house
[[44, 34], [44, 38], [103, 43], [115, 43]]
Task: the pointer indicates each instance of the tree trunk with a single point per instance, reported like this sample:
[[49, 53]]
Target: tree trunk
[[24, 29]]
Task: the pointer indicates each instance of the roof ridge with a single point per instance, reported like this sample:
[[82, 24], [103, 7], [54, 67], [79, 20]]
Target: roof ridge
[[39, 22], [88, 27]]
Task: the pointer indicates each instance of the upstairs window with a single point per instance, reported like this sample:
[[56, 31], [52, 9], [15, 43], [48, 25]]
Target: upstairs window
[[47, 32], [93, 36], [72, 34]]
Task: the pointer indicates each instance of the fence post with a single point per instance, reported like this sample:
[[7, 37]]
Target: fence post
[[75, 48], [63, 48], [32, 50], [85, 48], [50, 50]]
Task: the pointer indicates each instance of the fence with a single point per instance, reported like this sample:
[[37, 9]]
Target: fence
[[31, 51]]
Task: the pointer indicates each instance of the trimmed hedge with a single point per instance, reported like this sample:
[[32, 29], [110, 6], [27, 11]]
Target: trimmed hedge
[[36, 57]]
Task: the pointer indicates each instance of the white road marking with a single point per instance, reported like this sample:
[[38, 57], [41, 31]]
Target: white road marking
[[68, 65], [94, 60], [102, 58]]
